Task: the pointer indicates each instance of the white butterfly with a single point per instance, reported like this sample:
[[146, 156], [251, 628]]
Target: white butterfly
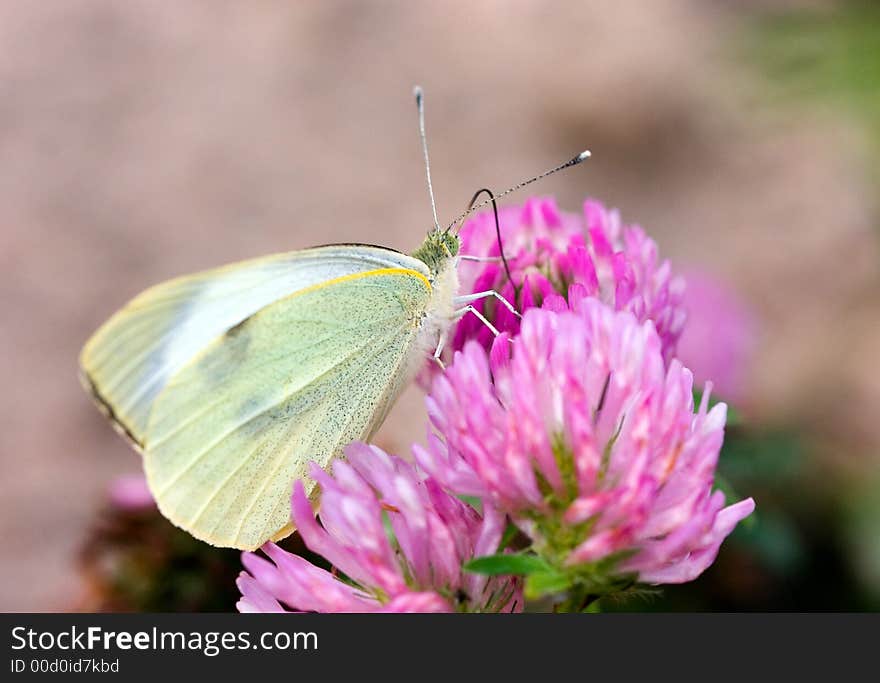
[[230, 381]]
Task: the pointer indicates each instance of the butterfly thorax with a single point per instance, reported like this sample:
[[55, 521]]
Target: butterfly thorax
[[438, 250]]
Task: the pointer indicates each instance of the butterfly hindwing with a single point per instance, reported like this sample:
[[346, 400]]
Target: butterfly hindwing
[[296, 381]]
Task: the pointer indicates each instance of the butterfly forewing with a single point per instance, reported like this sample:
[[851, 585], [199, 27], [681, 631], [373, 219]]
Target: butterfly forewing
[[130, 359]]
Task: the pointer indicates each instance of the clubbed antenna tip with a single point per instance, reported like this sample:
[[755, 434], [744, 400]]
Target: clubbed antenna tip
[[583, 156]]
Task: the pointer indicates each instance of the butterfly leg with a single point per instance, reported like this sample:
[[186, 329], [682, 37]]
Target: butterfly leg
[[468, 298], [439, 352], [460, 313]]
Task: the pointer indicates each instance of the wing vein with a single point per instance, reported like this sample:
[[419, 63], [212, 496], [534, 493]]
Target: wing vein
[[251, 417]]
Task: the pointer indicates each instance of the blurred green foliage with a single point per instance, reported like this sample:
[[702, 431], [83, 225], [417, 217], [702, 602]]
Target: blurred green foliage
[[796, 553], [828, 55], [813, 542], [136, 561]]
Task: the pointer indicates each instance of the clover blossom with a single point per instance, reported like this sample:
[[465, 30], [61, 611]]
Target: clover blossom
[[130, 492], [548, 250], [589, 442], [396, 542], [719, 341]]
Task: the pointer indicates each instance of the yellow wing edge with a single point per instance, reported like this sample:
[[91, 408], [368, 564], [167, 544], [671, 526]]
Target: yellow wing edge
[[366, 273], [120, 422]]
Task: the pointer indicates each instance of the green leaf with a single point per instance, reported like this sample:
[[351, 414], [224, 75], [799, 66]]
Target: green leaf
[[544, 583], [494, 565]]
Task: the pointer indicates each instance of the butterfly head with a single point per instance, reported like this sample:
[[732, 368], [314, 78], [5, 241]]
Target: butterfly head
[[438, 249]]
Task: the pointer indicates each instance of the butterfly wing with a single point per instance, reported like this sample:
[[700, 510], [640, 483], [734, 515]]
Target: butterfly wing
[[294, 382], [130, 359]]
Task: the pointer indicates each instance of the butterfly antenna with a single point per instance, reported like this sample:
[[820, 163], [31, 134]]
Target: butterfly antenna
[[420, 103], [497, 232], [583, 156]]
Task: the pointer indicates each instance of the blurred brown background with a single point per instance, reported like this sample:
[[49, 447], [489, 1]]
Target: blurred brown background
[[142, 140]]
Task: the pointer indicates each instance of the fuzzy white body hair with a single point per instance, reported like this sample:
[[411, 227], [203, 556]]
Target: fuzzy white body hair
[[439, 316]]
